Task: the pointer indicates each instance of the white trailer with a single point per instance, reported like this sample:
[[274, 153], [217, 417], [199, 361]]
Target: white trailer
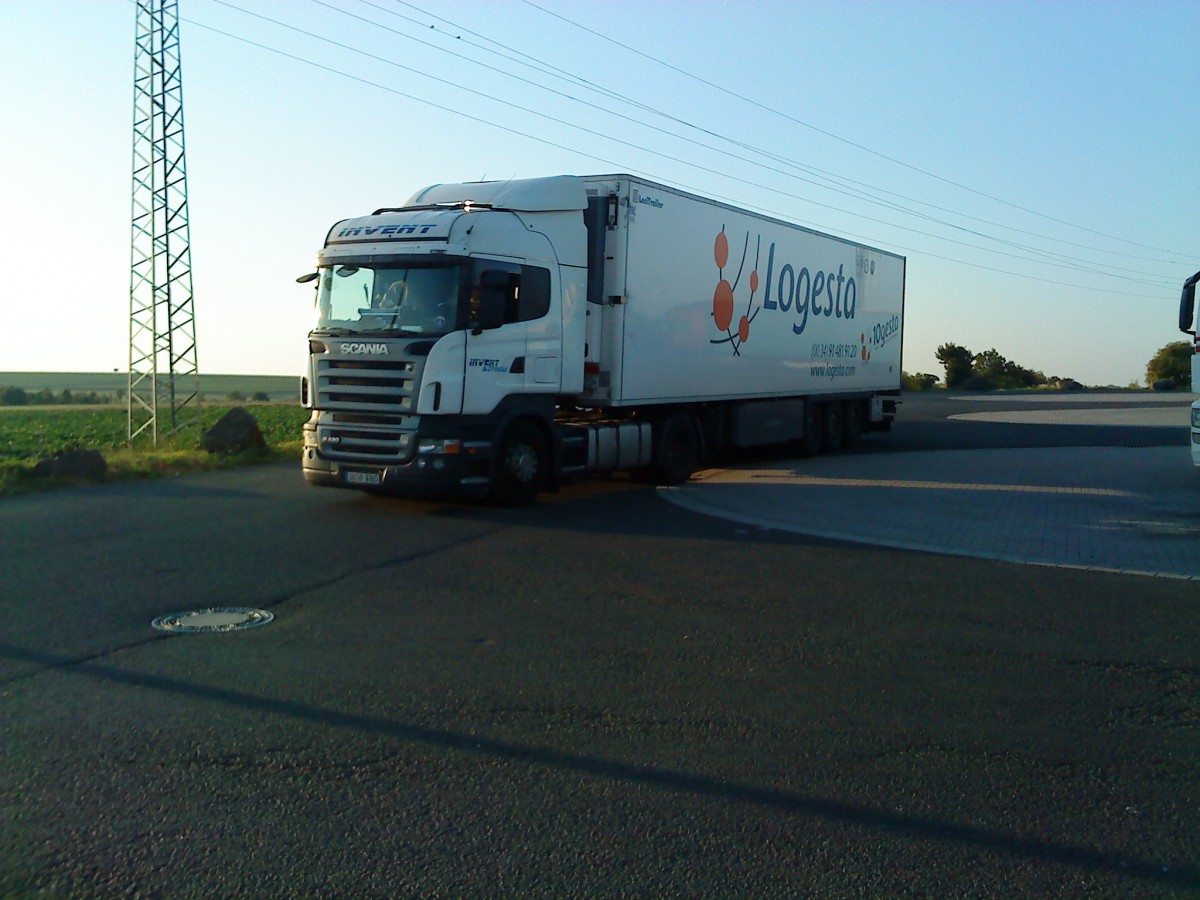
[[502, 337], [1187, 316]]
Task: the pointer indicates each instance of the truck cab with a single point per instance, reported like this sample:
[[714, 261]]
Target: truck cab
[[439, 325]]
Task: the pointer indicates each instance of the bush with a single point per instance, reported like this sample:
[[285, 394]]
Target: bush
[[958, 361], [13, 396], [1172, 363], [919, 382]]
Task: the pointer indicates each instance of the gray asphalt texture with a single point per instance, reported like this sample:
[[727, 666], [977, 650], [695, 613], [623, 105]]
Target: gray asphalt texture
[[601, 695], [1121, 509], [1129, 509]]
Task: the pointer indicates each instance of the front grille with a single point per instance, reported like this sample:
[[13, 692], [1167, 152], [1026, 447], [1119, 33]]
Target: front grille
[[384, 445], [367, 385]]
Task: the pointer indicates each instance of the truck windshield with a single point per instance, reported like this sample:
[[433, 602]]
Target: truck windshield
[[416, 300]]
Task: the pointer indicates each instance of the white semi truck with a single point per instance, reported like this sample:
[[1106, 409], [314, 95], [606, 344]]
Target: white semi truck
[[1187, 316], [501, 337]]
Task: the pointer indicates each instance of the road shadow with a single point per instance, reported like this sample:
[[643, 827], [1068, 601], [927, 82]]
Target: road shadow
[[1114, 862]]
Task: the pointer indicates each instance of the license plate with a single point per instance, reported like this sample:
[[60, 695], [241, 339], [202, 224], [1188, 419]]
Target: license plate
[[361, 477]]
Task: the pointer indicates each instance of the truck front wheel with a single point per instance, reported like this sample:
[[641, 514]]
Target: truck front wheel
[[521, 465]]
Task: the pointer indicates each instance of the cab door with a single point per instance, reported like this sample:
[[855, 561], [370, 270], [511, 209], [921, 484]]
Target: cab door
[[544, 335], [496, 338]]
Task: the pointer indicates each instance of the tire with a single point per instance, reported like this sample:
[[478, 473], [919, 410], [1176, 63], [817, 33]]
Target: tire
[[814, 430], [854, 424], [676, 449], [834, 431], [521, 465]]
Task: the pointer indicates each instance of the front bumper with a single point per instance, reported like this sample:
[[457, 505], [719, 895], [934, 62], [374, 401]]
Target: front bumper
[[1196, 433], [453, 466]]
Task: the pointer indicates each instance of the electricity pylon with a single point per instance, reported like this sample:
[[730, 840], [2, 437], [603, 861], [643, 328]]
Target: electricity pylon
[[162, 327]]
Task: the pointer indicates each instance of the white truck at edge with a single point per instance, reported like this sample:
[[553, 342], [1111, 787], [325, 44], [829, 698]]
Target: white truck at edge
[[499, 338], [1187, 316]]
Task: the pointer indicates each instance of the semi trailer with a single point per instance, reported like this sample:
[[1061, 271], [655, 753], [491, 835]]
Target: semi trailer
[[500, 338]]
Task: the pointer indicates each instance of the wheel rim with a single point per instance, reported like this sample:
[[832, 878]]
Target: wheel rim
[[522, 463]]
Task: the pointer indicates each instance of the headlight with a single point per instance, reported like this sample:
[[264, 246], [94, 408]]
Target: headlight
[[439, 445], [1196, 416]]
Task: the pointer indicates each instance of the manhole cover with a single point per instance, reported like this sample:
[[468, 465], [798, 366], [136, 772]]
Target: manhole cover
[[221, 618]]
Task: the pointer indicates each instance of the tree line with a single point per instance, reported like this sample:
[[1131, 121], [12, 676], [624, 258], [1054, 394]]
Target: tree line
[[1169, 368], [15, 396]]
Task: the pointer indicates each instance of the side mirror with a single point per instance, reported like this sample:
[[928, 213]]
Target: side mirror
[[310, 276], [1187, 304]]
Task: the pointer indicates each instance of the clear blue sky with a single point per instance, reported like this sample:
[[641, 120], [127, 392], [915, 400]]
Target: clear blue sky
[[1037, 162]]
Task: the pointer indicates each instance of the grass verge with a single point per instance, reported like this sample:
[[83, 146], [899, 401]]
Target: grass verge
[[17, 476], [33, 435]]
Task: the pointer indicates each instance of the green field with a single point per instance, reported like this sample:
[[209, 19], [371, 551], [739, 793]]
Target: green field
[[31, 434], [28, 435], [280, 388]]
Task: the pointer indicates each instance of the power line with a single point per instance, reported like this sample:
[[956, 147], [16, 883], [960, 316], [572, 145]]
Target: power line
[[1070, 263], [1041, 255], [508, 128], [839, 138], [543, 67]]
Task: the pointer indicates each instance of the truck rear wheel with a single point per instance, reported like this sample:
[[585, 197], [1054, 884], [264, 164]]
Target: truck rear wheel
[[521, 465], [854, 424], [834, 431], [814, 430], [676, 450]]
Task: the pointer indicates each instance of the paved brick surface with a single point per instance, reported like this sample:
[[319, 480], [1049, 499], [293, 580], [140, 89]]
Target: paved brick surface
[[1133, 510]]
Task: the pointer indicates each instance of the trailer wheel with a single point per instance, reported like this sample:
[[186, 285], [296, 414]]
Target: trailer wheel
[[521, 466], [854, 424], [677, 451], [834, 431], [810, 443]]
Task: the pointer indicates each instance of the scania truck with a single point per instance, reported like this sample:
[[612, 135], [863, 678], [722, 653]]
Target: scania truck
[[1187, 318], [500, 338]]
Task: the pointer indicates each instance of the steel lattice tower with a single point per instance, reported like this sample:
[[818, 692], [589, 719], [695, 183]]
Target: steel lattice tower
[[162, 328]]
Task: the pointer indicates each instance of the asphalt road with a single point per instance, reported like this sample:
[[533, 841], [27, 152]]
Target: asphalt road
[[599, 695]]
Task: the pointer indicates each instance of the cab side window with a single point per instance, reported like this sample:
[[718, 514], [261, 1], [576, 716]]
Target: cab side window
[[525, 289], [534, 293]]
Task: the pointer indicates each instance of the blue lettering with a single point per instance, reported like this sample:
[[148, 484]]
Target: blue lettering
[[829, 294], [768, 303], [785, 302], [818, 289], [802, 307]]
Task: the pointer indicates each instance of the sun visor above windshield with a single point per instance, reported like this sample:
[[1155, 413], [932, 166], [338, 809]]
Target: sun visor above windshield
[[556, 193], [426, 225]]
